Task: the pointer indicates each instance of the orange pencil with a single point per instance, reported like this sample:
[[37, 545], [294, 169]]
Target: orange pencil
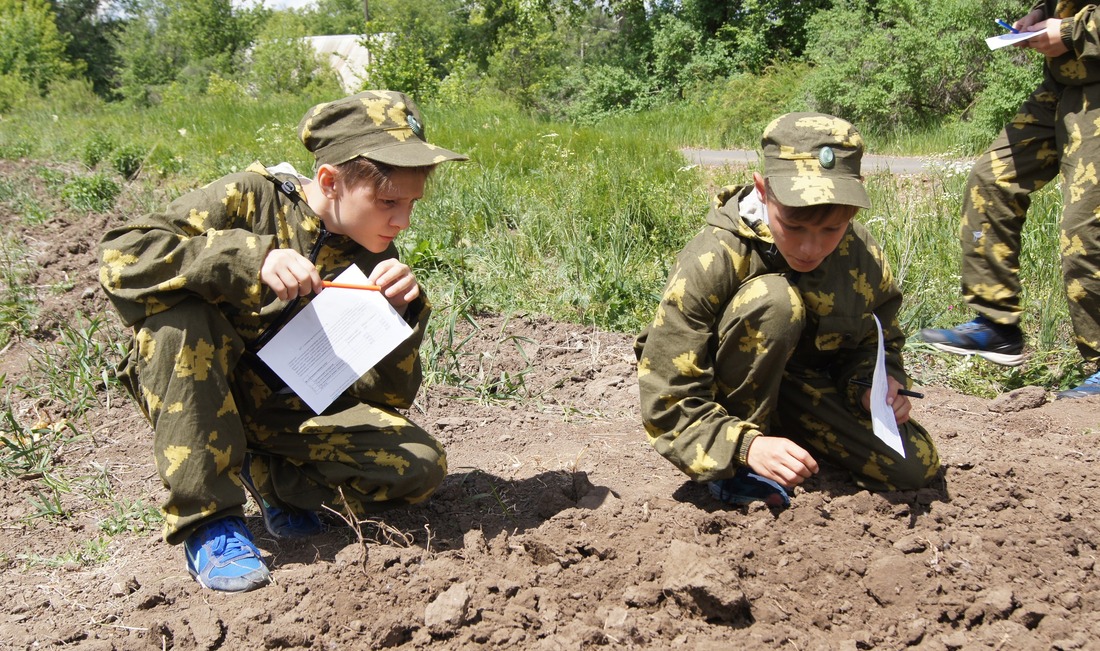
[[328, 283]]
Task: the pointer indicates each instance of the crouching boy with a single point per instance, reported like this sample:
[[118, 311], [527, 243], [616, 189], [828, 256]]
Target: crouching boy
[[750, 372], [206, 282]]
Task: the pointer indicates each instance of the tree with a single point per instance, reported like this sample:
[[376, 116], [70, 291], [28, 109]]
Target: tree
[[33, 49], [90, 27]]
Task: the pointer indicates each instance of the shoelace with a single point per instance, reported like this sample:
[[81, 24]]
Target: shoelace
[[230, 545]]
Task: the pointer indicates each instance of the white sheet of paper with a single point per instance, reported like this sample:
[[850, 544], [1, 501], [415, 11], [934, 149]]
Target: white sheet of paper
[[334, 340], [882, 416], [1004, 40]]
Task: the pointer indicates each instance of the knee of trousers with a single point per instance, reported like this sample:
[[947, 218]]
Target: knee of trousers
[[427, 466], [915, 471], [771, 305]]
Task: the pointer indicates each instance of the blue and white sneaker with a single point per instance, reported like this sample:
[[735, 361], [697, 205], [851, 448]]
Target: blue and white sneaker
[[280, 520], [221, 556], [1090, 387], [1001, 344]]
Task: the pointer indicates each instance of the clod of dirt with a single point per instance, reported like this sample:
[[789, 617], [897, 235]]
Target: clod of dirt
[[1019, 400]]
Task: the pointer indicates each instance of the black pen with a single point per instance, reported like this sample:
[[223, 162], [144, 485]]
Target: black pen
[[901, 392]]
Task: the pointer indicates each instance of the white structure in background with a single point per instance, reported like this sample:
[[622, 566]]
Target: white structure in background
[[347, 56]]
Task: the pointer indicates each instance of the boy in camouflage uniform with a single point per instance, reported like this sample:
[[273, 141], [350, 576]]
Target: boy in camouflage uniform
[[1054, 131], [206, 282], [748, 372]]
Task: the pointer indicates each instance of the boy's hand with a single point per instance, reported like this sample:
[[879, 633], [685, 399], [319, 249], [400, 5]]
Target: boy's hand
[[1027, 21], [398, 284], [289, 274], [900, 404], [1050, 42], [780, 460]]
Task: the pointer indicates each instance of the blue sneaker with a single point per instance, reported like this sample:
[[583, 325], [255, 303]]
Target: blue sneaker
[[280, 520], [1001, 344], [1090, 387], [221, 556], [746, 486]]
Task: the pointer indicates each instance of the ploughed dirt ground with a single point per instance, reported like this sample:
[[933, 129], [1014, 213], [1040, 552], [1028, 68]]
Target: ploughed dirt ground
[[558, 527]]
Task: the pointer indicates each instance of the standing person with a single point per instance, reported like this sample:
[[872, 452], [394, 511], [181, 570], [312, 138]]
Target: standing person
[[1054, 131], [749, 372], [207, 281]]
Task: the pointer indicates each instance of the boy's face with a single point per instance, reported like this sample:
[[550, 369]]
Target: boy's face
[[804, 245], [374, 217]]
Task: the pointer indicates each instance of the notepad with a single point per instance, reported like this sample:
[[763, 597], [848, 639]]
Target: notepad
[[334, 340], [882, 415], [1004, 40]]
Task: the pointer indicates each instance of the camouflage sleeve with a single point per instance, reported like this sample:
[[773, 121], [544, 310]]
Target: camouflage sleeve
[[395, 380], [1081, 34], [876, 281], [676, 371], [202, 245]]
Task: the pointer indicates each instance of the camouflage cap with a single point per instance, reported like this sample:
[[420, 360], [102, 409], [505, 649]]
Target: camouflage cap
[[381, 125], [812, 159]]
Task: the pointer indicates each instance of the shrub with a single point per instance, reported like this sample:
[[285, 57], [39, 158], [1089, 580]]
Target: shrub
[[14, 92], [97, 148], [163, 161], [127, 161], [96, 193], [880, 64]]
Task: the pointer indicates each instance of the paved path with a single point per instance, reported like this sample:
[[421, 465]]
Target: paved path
[[871, 162]]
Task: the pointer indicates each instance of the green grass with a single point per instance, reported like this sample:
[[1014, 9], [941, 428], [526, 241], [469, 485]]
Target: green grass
[[580, 223]]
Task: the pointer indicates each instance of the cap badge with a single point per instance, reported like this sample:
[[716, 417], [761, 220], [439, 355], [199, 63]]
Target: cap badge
[[826, 157], [415, 125]]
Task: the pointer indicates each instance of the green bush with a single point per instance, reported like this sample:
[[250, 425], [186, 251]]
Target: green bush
[[127, 160], [603, 90], [72, 96], [880, 64], [95, 193], [163, 161], [14, 92], [280, 60], [97, 148]]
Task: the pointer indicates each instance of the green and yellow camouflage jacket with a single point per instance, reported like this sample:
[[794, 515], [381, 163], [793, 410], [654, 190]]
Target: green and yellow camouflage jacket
[[682, 408], [210, 244], [1081, 34]]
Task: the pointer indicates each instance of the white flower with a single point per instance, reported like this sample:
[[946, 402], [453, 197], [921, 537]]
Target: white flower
[[183, 133]]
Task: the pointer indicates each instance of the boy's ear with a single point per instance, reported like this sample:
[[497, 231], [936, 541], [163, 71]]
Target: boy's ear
[[761, 188], [326, 179]]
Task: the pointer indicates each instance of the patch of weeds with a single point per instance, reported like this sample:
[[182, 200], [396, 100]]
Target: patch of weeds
[[96, 149], [54, 179], [163, 161], [19, 148], [96, 193], [127, 161], [76, 370], [24, 451], [89, 554], [131, 517], [443, 347], [17, 298], [505, 385], [47, 502]]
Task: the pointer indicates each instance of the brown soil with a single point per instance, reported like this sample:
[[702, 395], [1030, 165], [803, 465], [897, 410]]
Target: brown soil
[[559, 527]]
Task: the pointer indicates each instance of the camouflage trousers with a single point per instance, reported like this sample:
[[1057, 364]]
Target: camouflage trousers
[[803, 403], [1053, 132], [207, 409]]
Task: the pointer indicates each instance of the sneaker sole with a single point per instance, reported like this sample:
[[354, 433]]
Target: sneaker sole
[[1004, 359]]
